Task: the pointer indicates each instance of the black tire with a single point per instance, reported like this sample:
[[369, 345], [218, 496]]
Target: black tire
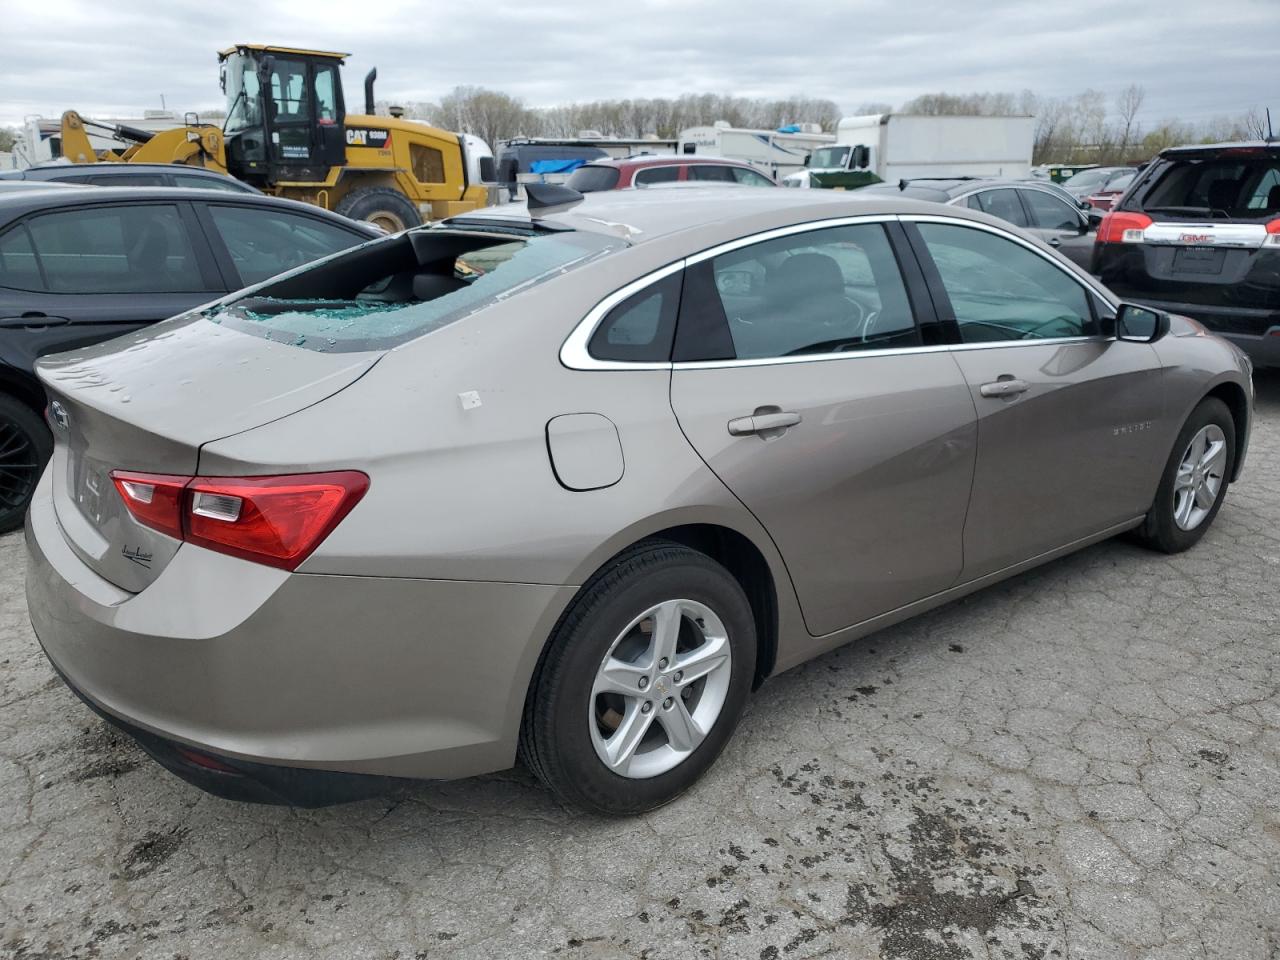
[[1160, 531], [384, 206], [25, 447], [555, 739]]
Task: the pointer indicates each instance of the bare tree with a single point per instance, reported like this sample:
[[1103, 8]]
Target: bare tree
[[1128, 104], [1255, 125]]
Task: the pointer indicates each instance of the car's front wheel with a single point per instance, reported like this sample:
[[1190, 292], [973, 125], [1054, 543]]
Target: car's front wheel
[[642, 683], [1195, 481]]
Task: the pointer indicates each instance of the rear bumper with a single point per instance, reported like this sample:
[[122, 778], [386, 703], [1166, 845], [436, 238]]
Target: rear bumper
[[256, 668], [243, 780]]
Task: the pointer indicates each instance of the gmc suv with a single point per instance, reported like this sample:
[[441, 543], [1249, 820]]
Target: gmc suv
[[1198, 233]]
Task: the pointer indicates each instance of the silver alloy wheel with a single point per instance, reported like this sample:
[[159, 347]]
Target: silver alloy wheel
[[660, 689], [1199, 478]]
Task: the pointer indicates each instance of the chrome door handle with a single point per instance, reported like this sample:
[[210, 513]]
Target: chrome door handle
[[762, 423], [1004, 388], [1055, 242]]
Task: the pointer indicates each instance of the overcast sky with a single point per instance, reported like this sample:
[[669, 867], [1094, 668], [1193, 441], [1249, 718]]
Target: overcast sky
[[1196, 58]]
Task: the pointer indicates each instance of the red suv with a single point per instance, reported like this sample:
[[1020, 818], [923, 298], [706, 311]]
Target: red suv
[[643, 171]]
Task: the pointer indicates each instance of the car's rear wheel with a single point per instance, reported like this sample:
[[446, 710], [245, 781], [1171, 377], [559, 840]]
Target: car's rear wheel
[[25, 447], [1195, 481], [642, 682]]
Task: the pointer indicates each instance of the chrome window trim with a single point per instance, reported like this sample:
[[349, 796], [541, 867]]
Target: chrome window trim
[[574, 354], [763, 237]]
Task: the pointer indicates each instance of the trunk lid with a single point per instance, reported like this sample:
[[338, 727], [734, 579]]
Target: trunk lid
[[147, 403]]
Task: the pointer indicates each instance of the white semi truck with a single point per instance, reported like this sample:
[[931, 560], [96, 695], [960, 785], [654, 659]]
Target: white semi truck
[[776, 152], [895, 146]]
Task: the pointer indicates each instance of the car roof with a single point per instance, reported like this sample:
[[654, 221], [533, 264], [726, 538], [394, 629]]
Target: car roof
[[723, 213], [120, 168], [26, 186], [946, 188], [1205, 149], [21, 202], [665, 160]]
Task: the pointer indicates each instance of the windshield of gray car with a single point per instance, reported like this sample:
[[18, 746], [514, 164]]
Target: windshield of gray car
[[388, 292]]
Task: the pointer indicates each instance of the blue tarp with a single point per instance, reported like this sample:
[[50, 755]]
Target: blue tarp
[[556, 166]]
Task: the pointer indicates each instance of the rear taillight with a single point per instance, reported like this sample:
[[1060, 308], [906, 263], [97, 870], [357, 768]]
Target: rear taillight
[[1273, 233], [1120, 227], [278, 521], [154, 499]]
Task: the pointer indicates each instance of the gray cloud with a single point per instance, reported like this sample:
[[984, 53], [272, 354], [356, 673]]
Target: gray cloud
[[1196, 58]]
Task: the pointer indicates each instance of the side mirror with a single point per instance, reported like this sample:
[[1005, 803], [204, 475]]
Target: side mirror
[[861, 157], [488, 170], [1140, 324], [807, 158], [265, 66]]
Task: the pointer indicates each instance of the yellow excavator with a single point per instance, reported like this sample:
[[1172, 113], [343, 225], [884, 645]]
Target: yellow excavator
[[288, 133]]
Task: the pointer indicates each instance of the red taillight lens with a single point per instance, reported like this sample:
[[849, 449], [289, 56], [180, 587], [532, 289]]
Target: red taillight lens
[[154, 499], [1273, 227], [1120, 227], [273, 520], [278, 521]]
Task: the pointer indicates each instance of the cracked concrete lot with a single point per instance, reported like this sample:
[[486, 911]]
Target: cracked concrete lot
[[1083, 762]]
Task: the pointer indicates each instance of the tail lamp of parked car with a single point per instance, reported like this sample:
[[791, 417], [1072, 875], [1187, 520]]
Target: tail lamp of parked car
[[1121, 227], [276, 521]]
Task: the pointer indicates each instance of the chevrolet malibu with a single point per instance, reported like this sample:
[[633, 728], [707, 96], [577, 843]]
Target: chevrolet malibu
[[569, 483]]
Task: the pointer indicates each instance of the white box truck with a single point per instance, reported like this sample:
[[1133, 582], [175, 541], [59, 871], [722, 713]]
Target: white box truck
[[895, 146], [776, 152]]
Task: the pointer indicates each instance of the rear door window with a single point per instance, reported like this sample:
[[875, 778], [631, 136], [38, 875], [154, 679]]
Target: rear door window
[[1050, 213], [264, 242], [18, 267], [828, 290], [116, 249], [1002, 203], [750, 178], [651, 175], [711, 172]]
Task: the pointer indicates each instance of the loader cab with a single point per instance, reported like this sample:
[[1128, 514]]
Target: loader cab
[[286, 119]]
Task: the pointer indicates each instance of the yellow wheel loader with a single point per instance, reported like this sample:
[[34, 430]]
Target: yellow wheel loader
[[288, 133]]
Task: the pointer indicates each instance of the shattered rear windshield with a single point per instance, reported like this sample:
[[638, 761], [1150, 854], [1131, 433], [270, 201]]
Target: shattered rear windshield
[[386, 293]]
